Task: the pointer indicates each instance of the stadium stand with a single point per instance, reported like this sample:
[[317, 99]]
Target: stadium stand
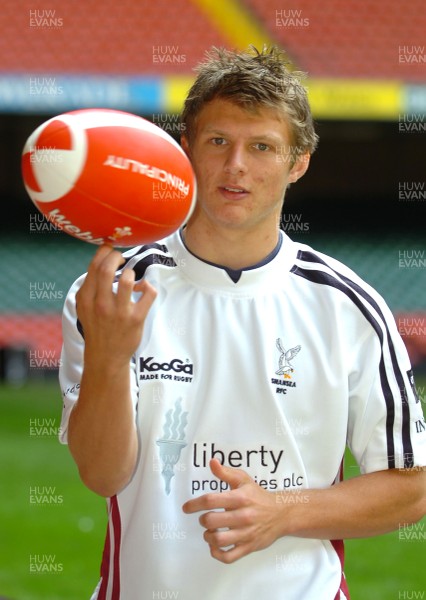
[[351, 39], [329, 39]]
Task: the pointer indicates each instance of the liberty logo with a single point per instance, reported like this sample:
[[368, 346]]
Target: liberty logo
[[284, 365], [172, 442]]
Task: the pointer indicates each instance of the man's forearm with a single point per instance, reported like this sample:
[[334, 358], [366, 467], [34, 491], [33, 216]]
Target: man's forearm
[[364, 506], [102, 434]]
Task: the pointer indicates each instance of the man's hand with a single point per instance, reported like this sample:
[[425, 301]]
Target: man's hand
[[250, 518], [112, 322]]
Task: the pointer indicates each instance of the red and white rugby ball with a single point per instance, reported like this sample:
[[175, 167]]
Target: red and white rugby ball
[[108, 176]]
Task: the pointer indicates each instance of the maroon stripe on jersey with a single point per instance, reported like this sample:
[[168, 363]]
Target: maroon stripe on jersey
[[105, 566], [114, 524], [339, 547], [340, 551]]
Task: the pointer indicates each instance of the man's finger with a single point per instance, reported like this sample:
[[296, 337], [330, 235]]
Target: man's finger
[[101, 253], [235, 477], [219, 519], [211, 501], [225, 500], [125, 287], [222, 539], [90, 283], [149, 293], [232, 554], [105, 271]]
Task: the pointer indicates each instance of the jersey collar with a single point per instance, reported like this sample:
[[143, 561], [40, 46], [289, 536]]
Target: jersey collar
[[217, 277]]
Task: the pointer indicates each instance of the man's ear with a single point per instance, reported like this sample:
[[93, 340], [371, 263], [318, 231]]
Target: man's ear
[[185, 145], [299, 168]]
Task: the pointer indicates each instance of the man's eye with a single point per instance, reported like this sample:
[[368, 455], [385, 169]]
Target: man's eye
[[262, 147], [218, 141]]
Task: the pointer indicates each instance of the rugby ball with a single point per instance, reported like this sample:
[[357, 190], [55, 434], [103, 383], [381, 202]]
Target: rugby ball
[[108, 176]]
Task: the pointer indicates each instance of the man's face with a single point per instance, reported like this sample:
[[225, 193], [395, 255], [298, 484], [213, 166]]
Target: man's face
[[242, 166]]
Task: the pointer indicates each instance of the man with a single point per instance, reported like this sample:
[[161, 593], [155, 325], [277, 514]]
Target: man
[[213, 380]]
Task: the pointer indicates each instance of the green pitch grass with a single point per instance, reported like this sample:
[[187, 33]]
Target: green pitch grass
[[52, 528]]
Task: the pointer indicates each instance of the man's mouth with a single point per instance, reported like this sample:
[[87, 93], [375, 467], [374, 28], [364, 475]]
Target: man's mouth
[[235, 189], [234, 192]]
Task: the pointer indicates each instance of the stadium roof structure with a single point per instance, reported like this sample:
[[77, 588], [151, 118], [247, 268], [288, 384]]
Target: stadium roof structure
[[364, 60]]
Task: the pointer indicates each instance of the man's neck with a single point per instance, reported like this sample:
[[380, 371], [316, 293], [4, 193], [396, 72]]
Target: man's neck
[[230, 248]]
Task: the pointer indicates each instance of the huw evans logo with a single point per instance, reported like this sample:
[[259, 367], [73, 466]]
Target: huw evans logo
[[176, 369]]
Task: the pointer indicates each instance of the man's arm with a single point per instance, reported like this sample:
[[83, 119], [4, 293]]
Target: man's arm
[[102, 434], [254, 518]]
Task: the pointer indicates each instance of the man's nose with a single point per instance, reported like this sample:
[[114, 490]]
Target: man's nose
[[236, 160]]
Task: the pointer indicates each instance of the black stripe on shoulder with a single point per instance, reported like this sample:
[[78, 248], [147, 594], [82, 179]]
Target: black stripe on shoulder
[[80, 328], [349, 288], [132, 254], [152, 257]]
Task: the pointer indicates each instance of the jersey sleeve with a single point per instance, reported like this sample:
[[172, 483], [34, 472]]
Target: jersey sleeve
[[72, 356], [386, 421]]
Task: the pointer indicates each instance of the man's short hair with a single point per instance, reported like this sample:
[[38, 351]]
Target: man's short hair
[[253, 79]]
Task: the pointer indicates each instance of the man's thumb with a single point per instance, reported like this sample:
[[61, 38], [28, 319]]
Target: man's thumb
[[235, 477]]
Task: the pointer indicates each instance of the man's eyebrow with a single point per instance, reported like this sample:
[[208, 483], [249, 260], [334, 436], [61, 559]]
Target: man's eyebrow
[[270, 138], [266, 137], [212, 129]]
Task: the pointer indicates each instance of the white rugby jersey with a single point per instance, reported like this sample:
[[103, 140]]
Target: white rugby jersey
[[274, 374]]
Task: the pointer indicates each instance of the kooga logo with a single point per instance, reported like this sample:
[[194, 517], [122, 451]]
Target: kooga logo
[[177, 365]]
